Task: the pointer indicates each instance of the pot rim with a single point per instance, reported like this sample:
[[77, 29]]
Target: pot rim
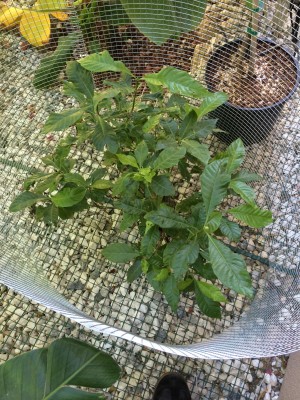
[[279, 102]]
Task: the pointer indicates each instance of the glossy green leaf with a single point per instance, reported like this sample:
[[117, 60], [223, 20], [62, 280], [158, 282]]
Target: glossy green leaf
[[178, 82], [149, 240], [242, 189], [214, 183], [51, 66], [162, 186], [48, 214], [229, 267], [184, 256], [103, 62], [102, 184], [205, 127], [213, 222], [174, 16], [75, 178], [127, 160], [81, 79], [24, 200], [211, 102], [207, 306], [68, 196], [162, 275], [168, 158], [171, 292], [165, 217], [127, 221], [230, 229], [236, 154], [187, 125], [246, 176], [197, 150], [211, 291], [46, 373], [63, 120], [151, 123], [120, 252], [252, 215], [141, 153]]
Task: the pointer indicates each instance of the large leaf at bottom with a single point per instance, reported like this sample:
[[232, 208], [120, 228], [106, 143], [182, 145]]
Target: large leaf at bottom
[[229, 267], [46, 373]]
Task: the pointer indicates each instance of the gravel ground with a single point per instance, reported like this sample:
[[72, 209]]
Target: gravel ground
[[70, 256]]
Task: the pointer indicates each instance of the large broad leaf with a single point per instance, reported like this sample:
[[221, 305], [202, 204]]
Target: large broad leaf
[[166, 217], [149, 240], [69, 196], [134, 271], [81, 79], [63, 120], [24, 200], [51, 66], [184, 256], [178, 82], [197, 150], [141, 153], [120, 252], [187, 126], [162, 19], [103, 62], [169, 158], [47, 373], [229, 267], [246, 176], [241, 188], [211, 291], [210, 103], [171, 292], [208, 306], [214, 183], [235, 153], [252, 215], [213, 222], [162, 186]]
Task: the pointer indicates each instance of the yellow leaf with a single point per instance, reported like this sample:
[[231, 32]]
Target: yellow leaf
[[60, 15], [50, 5], [9, 16], [35, 27]]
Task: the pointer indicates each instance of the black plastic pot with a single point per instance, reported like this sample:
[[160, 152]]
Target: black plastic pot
[[250, 124]]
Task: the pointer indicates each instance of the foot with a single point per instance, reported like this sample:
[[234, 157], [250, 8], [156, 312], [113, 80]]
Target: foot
[[172, 386]]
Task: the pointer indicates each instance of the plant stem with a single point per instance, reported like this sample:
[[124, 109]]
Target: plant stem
[[253, 39]]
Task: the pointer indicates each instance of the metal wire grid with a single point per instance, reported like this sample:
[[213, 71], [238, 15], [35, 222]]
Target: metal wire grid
[[60, 247]]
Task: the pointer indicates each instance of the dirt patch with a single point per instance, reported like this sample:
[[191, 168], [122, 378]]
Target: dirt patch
[[274, 78]]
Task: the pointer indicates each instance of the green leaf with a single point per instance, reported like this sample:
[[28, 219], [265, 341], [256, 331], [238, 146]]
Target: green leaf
[[236, 154], [37, 178], [151, 123], [162, 275], [165, 217], [46, 373], [105, 135], [197, 150], [48, 214], [246, 176], [96, 174], [187, 125], [214, 183], [229, 267], [190, 201], [149, 241], [120, 253], [207, 306], [178, 82], [24, 200], [174, 16], [230, 229], [141, 153], [252, 215], [205, 127], [211, 102], [211, 291], [81, 79], [169, 158], [102, 184], [171, 292], [162, 186], [63, 120], [76, 394], [135, 271], [213, 222], [75, 178], [125, 185], [69, 196], [51, 66], [204, 269], [127, 160], [127, 221], [103, 62], [246, 192], [68, 212], [184, 256], [134, 206]]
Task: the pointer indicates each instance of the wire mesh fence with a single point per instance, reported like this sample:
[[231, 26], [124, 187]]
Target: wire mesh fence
[[69, 255]]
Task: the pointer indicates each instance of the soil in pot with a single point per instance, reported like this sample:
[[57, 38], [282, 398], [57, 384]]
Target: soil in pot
[[255, 102]]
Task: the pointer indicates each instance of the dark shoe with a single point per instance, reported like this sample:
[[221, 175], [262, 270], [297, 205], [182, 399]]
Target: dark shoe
[[172, 386]]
